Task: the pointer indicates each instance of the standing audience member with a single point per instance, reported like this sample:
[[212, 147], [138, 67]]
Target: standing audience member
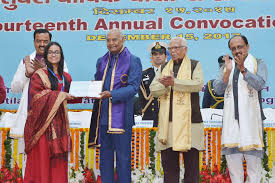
[[241, 80], [180, 129], [149, 104]]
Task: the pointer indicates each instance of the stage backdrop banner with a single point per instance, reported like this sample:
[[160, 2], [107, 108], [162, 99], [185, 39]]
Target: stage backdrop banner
[[80, 26]]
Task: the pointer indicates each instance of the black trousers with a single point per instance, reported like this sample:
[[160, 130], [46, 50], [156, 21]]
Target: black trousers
[[171, 168]]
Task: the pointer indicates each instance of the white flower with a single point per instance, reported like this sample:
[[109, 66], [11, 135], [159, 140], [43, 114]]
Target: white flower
[[158, 179], [79, 176], [272, 172]]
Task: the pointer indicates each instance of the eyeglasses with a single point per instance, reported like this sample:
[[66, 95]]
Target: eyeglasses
[[53, 52], [175, 48], [237, 47]]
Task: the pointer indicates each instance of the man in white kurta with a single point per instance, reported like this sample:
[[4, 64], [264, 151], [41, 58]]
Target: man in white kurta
[[241, 80], [20, 83]]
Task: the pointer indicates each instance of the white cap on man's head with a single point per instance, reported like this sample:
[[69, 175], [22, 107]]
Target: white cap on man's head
[[157, 43]]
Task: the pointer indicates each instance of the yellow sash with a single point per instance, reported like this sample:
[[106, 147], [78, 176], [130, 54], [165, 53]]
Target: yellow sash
[[181, 131]]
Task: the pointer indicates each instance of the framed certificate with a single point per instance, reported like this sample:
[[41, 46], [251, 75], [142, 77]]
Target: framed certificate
[[86, 88]]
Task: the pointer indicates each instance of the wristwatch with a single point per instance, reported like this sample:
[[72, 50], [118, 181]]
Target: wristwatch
[[244, 70]]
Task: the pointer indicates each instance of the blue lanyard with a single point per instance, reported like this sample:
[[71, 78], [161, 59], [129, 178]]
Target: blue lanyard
[[63, 81]]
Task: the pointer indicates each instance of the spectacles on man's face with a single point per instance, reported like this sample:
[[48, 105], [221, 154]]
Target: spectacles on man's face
[[53, 52], [175, 48], [239, 47]]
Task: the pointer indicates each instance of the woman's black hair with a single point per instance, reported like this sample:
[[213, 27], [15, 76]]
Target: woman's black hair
[[60, 69]]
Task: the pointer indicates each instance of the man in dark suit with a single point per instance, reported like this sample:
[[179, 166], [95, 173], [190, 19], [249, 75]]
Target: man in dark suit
[[149, 104]]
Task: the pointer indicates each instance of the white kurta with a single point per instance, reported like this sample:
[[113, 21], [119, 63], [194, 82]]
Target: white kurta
[[245, 133]]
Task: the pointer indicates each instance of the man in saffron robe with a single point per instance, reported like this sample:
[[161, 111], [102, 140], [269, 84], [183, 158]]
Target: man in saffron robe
[[113, 113], [47, 132], [241, 80], [2, 90], [180, 129]]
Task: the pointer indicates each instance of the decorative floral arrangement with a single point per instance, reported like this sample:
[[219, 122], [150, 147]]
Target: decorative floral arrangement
[[215, 176], [146, 176], [81, 175], [152, 145], [151, 172], [8, 175]]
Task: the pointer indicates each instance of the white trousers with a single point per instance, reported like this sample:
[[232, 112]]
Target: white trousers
[[236, 171]]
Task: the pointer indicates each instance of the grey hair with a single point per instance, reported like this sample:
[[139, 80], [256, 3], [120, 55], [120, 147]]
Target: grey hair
[[116, 30], [183, 41]]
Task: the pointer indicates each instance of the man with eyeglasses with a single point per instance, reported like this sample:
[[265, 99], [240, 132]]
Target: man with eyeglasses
[[241, 80], [180, 129], [149, 104], [21, 79]]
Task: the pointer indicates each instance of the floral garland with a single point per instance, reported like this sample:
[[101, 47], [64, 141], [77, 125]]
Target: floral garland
[[223, 164], [4, 135], [142, 149], [92, 153], [8, 149], [265, 158], [87, 149], [219, 148], [15, 147], [77, 149], [133, 150], [204, 152], [81, 174], [214, 147], [97, 158], [82, 143], [72, 150], [268, 130], [147, 147], [152, 135], [137, 146], [209, 146]]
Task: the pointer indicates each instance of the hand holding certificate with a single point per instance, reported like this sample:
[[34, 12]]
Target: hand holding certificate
[[91, 89]]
